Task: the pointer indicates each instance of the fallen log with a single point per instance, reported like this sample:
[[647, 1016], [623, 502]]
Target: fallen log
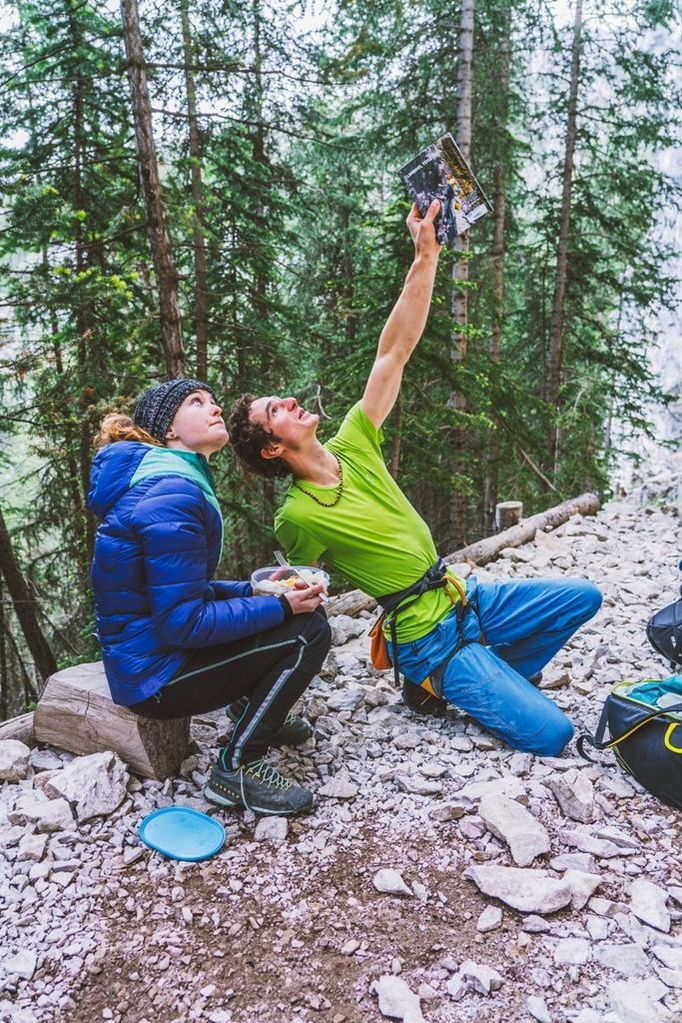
[[486, 550], [20, 728]]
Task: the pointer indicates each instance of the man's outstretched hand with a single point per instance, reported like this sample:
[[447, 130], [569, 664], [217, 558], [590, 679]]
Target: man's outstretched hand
[[423, 231]]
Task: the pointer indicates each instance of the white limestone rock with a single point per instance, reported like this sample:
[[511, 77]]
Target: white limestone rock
[[14, 757], [529, 891], [572, 952], [344, 628], [574, 792], [583, 885], [349, 698], [648, 904], [509, 785], [94, 785], [390, 882], [526, 837], [419, 786], [638, 1001], [630, 959], [670, 957], [339, 787], [48, 815], [537, 1007], [489, 920], [397, 1001], [21, 964], [271, 829], [476, 977], [32, 847]]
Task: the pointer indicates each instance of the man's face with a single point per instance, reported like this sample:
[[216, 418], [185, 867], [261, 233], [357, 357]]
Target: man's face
[[285, 418]]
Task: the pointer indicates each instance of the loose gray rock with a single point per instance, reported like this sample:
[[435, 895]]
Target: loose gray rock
[[574, 792], [32, 847], [474, 976], [537, 1007], [648, 904], [390, 882], [638, 1001], [489, 920], [510, 786], [572, 952], [338, 787], [508, 820], [582, 885], [630, 960], [397, 1001], [22, 963], [13, 760], [529, 891], [670, 957], [48, 815], [419, 786], [271, 829], [94, 785]]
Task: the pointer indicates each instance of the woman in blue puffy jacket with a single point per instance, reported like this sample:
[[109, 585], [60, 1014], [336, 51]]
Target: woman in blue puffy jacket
[[174, 641]]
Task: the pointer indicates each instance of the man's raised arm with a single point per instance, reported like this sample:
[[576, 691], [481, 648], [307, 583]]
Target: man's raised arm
[[408, 318]]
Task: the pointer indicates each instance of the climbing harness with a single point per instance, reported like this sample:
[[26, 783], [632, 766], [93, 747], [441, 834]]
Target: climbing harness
[[394, 604]]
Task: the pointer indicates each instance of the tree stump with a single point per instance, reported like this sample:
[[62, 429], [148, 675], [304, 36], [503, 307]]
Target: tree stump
[[508, 513], [76, 713]]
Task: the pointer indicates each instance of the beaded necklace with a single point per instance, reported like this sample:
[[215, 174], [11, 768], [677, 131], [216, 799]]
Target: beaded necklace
[[338, 493]]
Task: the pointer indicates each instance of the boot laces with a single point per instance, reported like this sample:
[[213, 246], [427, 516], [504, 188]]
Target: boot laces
[[267, 774]]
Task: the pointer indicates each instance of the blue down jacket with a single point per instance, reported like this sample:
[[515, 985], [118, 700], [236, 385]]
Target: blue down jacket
[[157, 547]]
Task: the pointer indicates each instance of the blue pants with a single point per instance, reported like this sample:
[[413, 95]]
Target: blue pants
[[524, 624]]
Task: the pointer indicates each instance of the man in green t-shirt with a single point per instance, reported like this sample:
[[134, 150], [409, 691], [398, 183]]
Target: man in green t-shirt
[[344, 508]]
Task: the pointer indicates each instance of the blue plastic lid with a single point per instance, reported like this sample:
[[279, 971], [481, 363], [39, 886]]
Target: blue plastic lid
[[182, 833]]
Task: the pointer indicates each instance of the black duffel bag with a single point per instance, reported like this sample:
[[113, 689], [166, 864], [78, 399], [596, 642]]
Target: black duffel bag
[[664, 631], [645, 736]]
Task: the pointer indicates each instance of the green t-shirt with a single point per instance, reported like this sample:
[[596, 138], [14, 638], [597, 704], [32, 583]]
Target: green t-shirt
[[373, 535]]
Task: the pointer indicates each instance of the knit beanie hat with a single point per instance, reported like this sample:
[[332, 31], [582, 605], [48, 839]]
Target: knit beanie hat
[[155, 410]]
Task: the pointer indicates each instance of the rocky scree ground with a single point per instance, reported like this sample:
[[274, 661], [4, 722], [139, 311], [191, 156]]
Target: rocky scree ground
[[441, 876]]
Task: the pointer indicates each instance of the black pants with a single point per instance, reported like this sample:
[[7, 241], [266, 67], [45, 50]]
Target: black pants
[[271, 669]]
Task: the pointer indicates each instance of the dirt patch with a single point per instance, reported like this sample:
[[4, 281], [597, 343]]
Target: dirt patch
[[272, 953]]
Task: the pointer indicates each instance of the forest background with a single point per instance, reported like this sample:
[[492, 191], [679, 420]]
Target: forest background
[[210, 190]]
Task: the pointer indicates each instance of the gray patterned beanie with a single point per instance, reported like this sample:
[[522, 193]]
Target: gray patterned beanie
[[155, 409]]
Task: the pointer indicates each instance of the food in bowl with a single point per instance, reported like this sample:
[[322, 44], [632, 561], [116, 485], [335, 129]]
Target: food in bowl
[[288, 578]]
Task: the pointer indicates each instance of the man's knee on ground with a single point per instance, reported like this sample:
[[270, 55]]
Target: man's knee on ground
[[590, 598], [553, 738]]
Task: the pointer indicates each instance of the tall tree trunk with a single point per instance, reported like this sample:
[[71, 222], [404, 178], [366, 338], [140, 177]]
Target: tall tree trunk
[[24, 605], [4, 665], [199, 233], [84, 525], [556, 344], [84, 322], [458, 504], [159, 240], [498, 254]]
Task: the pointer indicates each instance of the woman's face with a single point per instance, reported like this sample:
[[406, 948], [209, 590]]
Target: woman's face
[[198, 426]]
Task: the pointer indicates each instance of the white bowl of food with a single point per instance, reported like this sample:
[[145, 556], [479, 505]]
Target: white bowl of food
[[278, 580]]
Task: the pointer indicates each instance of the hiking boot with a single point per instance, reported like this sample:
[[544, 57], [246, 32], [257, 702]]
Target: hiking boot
[[422, 702], [257, 786], [295, 730]]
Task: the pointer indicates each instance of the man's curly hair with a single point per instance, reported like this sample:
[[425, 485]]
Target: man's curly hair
[[248, 438]]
